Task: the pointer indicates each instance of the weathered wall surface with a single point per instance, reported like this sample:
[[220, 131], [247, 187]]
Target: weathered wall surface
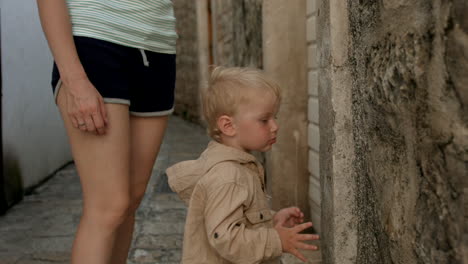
[[219, 32], [285, 61], [237, 32], [188, 64], [409, 64], [337, 176], [399, 69]]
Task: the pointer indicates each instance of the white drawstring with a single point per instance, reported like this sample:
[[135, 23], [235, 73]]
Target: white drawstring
[[145, 59]]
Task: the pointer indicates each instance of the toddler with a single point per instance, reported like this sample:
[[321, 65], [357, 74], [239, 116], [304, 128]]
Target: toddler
[[228, 219]]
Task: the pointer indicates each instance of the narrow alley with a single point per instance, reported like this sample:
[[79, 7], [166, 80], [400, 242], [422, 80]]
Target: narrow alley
[[40, 229], [373, 141]]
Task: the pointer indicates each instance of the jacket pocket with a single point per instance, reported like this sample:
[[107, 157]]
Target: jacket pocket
[[258, 216]]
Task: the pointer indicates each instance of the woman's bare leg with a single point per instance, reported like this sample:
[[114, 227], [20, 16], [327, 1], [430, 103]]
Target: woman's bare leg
[[104, 168], [146, 135]]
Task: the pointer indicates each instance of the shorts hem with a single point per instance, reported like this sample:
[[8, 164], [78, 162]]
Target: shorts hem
[[106, 100], [150, 114], [116, 101], [57, 87]]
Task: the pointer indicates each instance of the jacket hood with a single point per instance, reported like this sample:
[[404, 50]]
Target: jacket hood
[[184, 175]]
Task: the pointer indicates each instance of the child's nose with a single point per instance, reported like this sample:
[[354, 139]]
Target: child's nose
[[274, 126]]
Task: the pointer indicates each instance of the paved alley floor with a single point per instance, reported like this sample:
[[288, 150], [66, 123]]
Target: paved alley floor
[[40, 229]]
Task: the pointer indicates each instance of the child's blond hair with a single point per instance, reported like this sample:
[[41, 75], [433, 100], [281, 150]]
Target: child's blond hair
[[227, 89]]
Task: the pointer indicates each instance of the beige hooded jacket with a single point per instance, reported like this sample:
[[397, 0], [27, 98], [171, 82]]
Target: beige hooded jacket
[[228, 219]]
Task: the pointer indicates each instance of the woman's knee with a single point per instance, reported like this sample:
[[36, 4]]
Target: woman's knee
[[110, 214], [136, 199]]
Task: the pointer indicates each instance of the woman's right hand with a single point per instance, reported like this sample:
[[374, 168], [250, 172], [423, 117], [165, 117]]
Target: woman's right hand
[[85, 106]]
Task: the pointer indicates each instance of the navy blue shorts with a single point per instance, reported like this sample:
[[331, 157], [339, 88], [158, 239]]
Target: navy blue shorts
[[142, 79]]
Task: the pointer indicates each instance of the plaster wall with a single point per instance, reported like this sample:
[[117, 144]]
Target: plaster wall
[[285, 60], [34, 140]]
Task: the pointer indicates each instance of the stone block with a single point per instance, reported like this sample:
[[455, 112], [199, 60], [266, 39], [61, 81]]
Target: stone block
[[311, 29], [314, 189], [313, 110], [155, 256], [314, 166], [8, 258], [162, 228], [313, 137], [167, 242], [315, 216], [312, 83], [312, 57], [311, 7]]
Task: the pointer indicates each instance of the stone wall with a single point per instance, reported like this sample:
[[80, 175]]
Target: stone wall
[[219, 32], [402, 70], [337, 176], [313, 133], [187, 103], [411, 129], [237, 32]]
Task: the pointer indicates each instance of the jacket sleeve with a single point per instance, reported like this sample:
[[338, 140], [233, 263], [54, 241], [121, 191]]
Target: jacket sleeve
[[227, 233]]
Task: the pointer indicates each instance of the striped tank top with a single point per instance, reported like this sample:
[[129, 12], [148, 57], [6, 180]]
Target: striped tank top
[[143, 24]]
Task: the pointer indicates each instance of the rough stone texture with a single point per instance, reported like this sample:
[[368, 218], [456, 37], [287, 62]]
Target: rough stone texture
[[339, 231], [236, 40], [411, 130], [237, 32], [188, 83], [408, 63], [285, 60]]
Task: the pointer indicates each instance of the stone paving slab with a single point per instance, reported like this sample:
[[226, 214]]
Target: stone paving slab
[[40, 229]]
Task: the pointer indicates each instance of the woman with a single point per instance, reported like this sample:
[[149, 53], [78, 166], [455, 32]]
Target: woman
[[113, 82]]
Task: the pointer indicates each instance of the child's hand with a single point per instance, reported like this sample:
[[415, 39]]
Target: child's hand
[[291, 239], [288, 217]]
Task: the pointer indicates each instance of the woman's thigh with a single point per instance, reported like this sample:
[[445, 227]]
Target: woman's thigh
[[146, 137], [102, 161]]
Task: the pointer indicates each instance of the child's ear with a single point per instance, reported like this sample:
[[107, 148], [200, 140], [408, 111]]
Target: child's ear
[[226, 125]]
